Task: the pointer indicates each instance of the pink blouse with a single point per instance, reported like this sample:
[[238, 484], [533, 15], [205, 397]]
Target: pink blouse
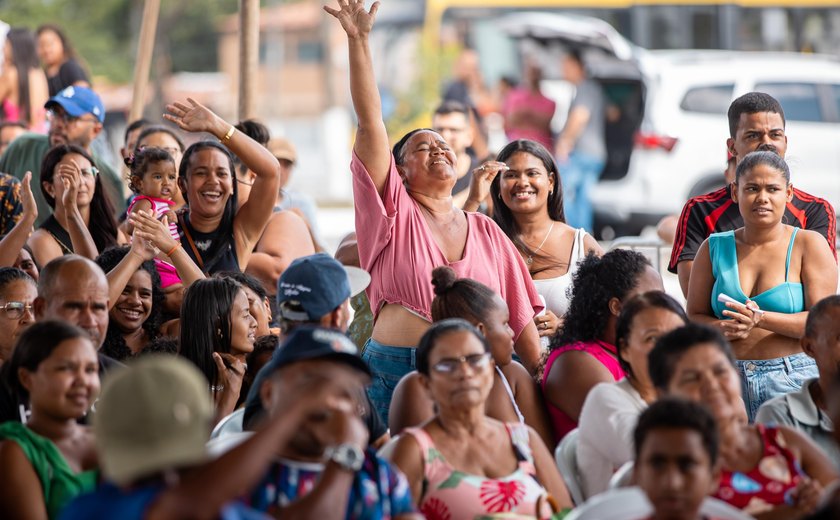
[[398, 250]]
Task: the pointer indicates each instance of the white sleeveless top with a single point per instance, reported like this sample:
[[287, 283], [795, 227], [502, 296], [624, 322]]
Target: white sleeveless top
[[554, 290]]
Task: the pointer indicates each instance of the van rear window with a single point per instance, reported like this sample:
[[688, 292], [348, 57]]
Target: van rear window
[[711, 99]]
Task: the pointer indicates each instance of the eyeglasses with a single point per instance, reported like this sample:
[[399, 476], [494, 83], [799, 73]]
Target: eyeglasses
[[15, 310], [90, 172], [450, 365], [64, 117]]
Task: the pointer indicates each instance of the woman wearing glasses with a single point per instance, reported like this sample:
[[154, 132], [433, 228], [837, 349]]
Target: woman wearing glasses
[[83, 217], [514, 397], [17, 292], [461, 463]]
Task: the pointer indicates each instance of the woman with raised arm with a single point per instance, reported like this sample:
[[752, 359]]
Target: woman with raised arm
[[216, 234], [407, 225], [83, 216]]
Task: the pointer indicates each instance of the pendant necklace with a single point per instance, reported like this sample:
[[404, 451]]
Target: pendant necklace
[[530, 259]]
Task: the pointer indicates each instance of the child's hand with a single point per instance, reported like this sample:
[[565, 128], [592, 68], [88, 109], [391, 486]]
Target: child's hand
[[153, 230]]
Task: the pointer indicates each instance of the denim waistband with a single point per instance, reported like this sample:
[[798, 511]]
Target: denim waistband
[[374, 348], [788, 363]]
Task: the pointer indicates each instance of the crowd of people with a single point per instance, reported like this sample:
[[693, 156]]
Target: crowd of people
[[191, 357]]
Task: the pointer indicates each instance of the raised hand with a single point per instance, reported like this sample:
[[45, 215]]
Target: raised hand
[[69, 174], [155, 231], [482, 179], [355, 20], [142, 247], [30, 208], [193, 117]]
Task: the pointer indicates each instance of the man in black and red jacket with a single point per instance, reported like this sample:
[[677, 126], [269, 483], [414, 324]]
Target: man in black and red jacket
[[756, 122]]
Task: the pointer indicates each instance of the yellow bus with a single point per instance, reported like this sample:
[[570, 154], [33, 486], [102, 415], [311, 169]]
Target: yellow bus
[[793, 25]]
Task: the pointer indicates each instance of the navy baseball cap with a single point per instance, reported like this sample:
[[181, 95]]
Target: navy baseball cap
[[315, 285], [304, 343], [307, 342], [78, 101]]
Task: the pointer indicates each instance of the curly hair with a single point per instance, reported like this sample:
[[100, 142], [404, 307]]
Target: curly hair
[[594, 284], [140, 162], [114, 344]]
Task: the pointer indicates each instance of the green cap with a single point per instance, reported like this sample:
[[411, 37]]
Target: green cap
[[153, 415]]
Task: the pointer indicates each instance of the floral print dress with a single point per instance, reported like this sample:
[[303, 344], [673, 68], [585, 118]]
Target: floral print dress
[[450, 494], [772, 482]]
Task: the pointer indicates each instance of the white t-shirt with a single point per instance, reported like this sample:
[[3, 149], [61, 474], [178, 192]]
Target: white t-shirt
[[605, 440]]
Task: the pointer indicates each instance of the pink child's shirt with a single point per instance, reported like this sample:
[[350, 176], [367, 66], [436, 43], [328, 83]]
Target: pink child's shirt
[[398, 250]]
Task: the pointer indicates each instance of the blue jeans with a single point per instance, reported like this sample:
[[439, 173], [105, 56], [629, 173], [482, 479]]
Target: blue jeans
[[762, 379], [579, 175], [388, 365]]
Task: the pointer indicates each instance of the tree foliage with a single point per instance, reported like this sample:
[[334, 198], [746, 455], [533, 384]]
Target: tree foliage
[[104, 32]]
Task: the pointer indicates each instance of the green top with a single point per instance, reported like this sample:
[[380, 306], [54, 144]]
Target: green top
[[26, 154], [60, 484]]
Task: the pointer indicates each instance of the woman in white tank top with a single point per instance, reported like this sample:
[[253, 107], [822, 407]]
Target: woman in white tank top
[[528, 206]]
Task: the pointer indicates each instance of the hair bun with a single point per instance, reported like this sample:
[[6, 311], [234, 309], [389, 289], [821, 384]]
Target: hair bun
[[443, 278]]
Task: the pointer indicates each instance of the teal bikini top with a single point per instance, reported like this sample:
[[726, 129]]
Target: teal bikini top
[[787, 297]]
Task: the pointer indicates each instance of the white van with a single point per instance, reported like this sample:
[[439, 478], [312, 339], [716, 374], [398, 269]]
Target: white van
[[675, 110]]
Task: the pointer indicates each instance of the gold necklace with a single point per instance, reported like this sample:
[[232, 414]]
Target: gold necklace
[[530, 259]]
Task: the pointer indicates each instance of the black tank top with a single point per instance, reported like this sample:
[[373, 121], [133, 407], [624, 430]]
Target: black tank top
[[213, 252], [60, 234]]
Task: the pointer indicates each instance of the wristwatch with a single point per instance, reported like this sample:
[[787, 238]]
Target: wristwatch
[[347, 456]]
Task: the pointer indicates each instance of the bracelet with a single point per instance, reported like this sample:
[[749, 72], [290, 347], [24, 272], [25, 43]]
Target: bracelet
[[174, 248], [229, 134]]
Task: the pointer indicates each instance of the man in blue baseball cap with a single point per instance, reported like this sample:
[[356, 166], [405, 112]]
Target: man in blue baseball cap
[[328, 466], [316, 289], [76, 115]]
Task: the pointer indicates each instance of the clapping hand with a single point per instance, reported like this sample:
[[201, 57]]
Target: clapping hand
[[155, 231], [355, 20], [142, 247], [70, 175], [30, 208]]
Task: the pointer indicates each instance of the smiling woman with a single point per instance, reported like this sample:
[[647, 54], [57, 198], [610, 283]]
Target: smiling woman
[[135, 315], [221, 335], [528, 206], [216, 234], [55, 369], [404, 206]]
